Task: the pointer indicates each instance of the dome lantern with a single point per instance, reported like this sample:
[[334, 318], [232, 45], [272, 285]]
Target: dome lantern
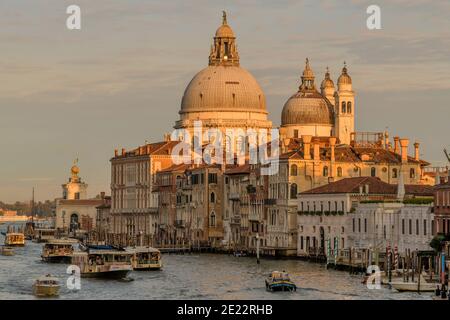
[[307, 78], [224, 49]]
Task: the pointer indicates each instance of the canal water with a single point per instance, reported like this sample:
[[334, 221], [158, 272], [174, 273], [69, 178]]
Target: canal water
[[192, 276]]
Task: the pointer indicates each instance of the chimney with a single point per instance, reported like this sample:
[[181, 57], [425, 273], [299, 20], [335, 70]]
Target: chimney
[[102, 195], [123, 151], [316, 151], [366, 189], [404, 152], [416, 151], [386, 140], [307, 146], [116, 152], [286, 144], [332, 141], [148, 149], [360, 189], [396, 146]]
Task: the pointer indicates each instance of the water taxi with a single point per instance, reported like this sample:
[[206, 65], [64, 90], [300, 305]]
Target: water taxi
[[46, 286], [14, 239], [280, 281], [7, 251], [423, 286], [58, 250], [112, 264], [145, 258]]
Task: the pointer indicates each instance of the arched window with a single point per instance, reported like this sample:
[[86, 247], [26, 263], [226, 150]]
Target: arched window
[[394, 173], [373, 172], [412, 173], [343, 107], [294, 191], [212, 219], [212, 197], [294, 170], [349, 107], [325, 171], [339, 172]]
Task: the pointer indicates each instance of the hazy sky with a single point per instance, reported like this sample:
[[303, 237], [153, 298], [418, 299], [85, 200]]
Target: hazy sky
[[119, 80]]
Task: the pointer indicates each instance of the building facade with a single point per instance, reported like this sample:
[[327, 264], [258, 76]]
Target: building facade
[[75, 211], [204, 203]]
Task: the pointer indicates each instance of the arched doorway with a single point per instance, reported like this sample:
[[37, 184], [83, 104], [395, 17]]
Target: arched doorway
[[74, 222]]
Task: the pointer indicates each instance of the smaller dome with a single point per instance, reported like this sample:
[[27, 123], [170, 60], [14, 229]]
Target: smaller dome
[[344, 78], [224, 31], [327, 82], [307, 108]]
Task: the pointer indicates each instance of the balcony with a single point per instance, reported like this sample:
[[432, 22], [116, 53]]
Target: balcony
[[254, 217]]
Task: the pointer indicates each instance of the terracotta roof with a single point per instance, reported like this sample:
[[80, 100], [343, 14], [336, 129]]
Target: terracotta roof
[[347, 153], [443, 185], [376, 186], [243, 169], [157, 148]]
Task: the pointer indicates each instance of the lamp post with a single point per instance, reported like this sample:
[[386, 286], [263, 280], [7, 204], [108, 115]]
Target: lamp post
[[257, 248]]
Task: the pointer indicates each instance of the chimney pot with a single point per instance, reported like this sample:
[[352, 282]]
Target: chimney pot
[[316, 151], [332, 147], [396, 144], [307, 146], [416, 151], [123, 151], [404, 151], [116, 152]]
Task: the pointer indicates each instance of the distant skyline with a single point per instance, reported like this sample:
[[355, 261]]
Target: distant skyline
[[119, 80]]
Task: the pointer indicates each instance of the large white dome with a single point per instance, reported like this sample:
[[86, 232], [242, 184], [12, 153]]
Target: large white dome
[[223, 88]]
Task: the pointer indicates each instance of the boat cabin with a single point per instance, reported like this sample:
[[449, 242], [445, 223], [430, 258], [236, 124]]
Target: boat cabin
[[44, 235], [145, 258]]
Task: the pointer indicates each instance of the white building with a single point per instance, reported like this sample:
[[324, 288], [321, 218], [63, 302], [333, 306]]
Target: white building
[[338, 212], [75, 212]]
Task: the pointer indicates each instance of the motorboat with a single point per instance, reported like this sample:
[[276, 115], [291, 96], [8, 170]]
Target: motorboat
[[46, 286], [280, 281]]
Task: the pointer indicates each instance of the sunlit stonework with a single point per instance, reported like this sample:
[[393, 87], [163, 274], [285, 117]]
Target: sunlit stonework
[[234, 206]]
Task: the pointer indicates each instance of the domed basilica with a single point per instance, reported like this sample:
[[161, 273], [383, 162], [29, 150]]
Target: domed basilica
[[216, 205]]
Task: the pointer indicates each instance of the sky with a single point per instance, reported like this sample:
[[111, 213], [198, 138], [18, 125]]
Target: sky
[[117, 82]]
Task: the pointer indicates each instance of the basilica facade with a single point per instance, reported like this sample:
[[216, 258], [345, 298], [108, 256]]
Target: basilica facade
[[234, 205]]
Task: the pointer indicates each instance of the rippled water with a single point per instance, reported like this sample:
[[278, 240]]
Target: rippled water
[[192, 276]]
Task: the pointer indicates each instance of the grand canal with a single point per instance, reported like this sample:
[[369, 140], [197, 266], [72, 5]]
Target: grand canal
[[191, 276]]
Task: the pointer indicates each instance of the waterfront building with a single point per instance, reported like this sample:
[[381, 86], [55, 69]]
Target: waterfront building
[[134, 207], [154, 197], [442, 205], [245, 218], [364, 212], [75, 212]]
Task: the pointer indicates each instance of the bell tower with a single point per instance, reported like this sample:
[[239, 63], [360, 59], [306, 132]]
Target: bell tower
[[344, 107]]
